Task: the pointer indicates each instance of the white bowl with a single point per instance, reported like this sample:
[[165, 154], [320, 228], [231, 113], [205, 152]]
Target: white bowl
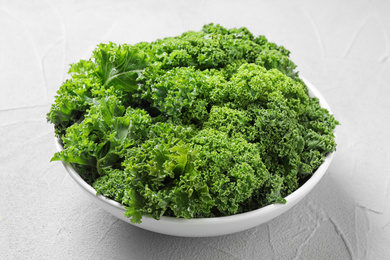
[[205, 227]]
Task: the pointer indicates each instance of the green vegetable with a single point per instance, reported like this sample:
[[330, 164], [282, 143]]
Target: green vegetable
[[208, 123]]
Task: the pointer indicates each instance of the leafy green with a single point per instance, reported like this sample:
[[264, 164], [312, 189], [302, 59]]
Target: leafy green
[[231, 166], [120, 65], [208, 123], [102, 138]]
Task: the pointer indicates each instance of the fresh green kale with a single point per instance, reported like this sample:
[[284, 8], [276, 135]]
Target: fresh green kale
[[209, 123]]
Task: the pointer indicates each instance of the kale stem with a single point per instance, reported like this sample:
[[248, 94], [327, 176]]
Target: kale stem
[[99, 169], [99, 162]]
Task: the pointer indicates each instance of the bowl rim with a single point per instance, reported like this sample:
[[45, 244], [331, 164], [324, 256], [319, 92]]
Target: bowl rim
[[291, 200]]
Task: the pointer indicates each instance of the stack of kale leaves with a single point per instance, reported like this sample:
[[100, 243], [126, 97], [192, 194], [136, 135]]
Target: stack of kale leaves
[[205, 124]]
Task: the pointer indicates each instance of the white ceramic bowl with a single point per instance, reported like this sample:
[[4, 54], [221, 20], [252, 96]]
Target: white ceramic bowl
[[204, 227]]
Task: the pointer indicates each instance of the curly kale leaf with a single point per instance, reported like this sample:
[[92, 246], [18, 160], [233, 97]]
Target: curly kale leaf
[[121, 66], [161, 176], [101, 139], [231, 167], [182, 94], [218, 47], [74, 97], [254, 84], [234, 122]]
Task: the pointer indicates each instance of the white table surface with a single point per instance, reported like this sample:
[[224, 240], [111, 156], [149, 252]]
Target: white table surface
[[342, 47]]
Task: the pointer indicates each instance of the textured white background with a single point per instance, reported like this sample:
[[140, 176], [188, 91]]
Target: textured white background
[[342, 47]]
